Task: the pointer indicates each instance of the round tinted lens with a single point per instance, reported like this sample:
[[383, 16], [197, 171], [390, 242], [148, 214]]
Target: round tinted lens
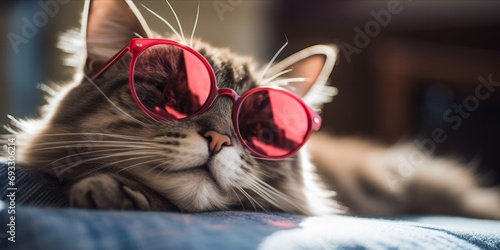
[[272, 122], [171, 82]]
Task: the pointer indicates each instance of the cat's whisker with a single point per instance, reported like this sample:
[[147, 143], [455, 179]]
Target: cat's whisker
[[291, 159], [238, 197], [137, 164], [262, 173], [269, 79], [267, 186], [86, 153], [127, 153], [250, 199], [65, 166], [87, 147], [154, 167], [262, 193], [131, 137], [286, 81], [98, 142], [272, 193], [162, 171], [61, 169], [115, 163], [264, 72], [164, 21], [112, 103], [76, 146], [195, 24], [178, 22], [138, 35], [273, 190]]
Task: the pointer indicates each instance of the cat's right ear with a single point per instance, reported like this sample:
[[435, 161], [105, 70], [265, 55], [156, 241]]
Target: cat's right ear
[[313, 67], [109, 25]]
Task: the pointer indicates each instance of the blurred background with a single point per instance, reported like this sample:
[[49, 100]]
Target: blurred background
[[407, 70]]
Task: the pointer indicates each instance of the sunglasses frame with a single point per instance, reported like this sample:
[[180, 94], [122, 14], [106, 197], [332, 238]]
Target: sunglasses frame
[[139, 45]]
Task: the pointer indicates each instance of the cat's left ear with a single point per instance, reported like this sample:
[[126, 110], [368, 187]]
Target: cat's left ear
[[308, 72], [109, 25]]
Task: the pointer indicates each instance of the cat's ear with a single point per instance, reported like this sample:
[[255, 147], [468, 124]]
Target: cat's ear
[[308, 73], [109, 25]]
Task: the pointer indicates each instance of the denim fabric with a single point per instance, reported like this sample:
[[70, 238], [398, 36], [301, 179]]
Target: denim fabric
[[65, 228], [34, 188]]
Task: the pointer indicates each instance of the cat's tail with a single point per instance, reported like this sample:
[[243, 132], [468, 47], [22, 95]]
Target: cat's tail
[[372, 180]]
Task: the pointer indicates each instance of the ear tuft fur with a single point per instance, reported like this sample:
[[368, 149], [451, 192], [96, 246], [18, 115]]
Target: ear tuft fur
[[319, 95]]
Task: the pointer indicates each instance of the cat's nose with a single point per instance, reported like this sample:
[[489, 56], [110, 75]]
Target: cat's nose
[[216, 141]]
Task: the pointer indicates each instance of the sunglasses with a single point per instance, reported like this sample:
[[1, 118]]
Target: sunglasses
[[172, 81]]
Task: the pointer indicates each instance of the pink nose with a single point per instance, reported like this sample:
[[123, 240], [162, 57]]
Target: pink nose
[[216, 141]]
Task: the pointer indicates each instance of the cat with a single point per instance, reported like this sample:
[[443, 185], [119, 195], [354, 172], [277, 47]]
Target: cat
[[112, 155]]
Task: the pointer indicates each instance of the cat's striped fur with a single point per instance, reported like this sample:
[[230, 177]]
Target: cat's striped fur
[[113, 156]]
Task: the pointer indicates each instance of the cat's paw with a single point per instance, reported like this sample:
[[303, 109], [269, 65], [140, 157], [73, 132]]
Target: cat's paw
[[106, 192]]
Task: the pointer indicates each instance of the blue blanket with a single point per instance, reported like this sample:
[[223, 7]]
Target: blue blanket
[[42, 222]]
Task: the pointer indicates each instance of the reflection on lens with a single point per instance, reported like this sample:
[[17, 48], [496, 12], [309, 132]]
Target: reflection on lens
[[170, 81], [272, 123]]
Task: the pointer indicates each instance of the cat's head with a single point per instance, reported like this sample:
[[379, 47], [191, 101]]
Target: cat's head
[[96, 125]]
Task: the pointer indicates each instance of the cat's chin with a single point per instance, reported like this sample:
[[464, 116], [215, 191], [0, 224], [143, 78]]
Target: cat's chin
[[223, 169], [203, 170], [191, 190], [206, 187]]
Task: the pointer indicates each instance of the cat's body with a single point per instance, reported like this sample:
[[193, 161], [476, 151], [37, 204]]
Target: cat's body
[[114, 156], [374, 180]]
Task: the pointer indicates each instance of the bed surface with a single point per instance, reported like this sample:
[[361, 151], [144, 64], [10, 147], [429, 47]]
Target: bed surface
[[42, 222]]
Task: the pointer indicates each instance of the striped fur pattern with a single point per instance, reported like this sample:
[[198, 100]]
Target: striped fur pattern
[[94, 138], [91, 140], [113, 156]]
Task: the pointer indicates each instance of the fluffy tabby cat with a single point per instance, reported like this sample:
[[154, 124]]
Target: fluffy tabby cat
[[113, 156]]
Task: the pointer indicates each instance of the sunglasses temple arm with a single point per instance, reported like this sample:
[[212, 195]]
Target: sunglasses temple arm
[[111, 61]]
